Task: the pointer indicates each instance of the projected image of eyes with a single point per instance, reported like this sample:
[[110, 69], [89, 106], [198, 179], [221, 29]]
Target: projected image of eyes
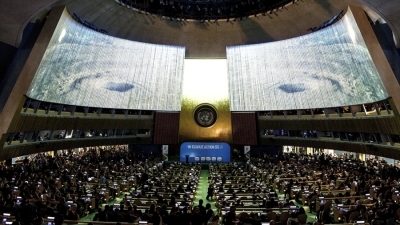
[[102, 81], [87, 68], [328, 68], [87, 80]]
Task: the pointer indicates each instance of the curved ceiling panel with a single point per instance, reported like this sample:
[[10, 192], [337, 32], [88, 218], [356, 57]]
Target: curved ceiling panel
[[202, 40]]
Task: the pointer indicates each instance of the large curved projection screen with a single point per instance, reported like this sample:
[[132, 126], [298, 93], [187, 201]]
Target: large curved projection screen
[[87, 68], [328, 68]]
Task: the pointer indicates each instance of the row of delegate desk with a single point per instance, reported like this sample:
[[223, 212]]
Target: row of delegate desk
[[249, 201], [119, 185], [328, 190]]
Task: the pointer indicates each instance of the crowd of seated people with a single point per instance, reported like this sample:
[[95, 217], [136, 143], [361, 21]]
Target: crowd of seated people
[[165, 196], [71, 184], [236, 189], [181, 215], [334, 187]]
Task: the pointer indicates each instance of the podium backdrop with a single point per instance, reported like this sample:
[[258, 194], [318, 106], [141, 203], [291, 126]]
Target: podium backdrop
[[205, 152]]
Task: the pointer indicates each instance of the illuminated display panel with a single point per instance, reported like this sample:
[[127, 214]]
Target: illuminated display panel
[[328, 68], [87, 68]]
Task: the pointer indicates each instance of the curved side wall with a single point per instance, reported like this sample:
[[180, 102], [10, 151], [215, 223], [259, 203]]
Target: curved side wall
[[382, 65], [28, 72], [389, 11]]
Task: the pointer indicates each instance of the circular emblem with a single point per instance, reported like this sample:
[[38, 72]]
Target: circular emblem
[[205, 115]]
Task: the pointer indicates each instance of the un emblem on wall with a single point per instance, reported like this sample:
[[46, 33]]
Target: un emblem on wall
[[205, 115]]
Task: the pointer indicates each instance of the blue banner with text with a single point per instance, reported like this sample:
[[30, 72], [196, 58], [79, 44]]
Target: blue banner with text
[[205, 152]]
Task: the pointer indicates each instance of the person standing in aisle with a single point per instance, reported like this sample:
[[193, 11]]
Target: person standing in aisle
[[210, 192]]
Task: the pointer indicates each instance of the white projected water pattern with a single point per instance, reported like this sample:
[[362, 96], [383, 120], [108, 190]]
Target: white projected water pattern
[[328, 68], [87, 68]]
